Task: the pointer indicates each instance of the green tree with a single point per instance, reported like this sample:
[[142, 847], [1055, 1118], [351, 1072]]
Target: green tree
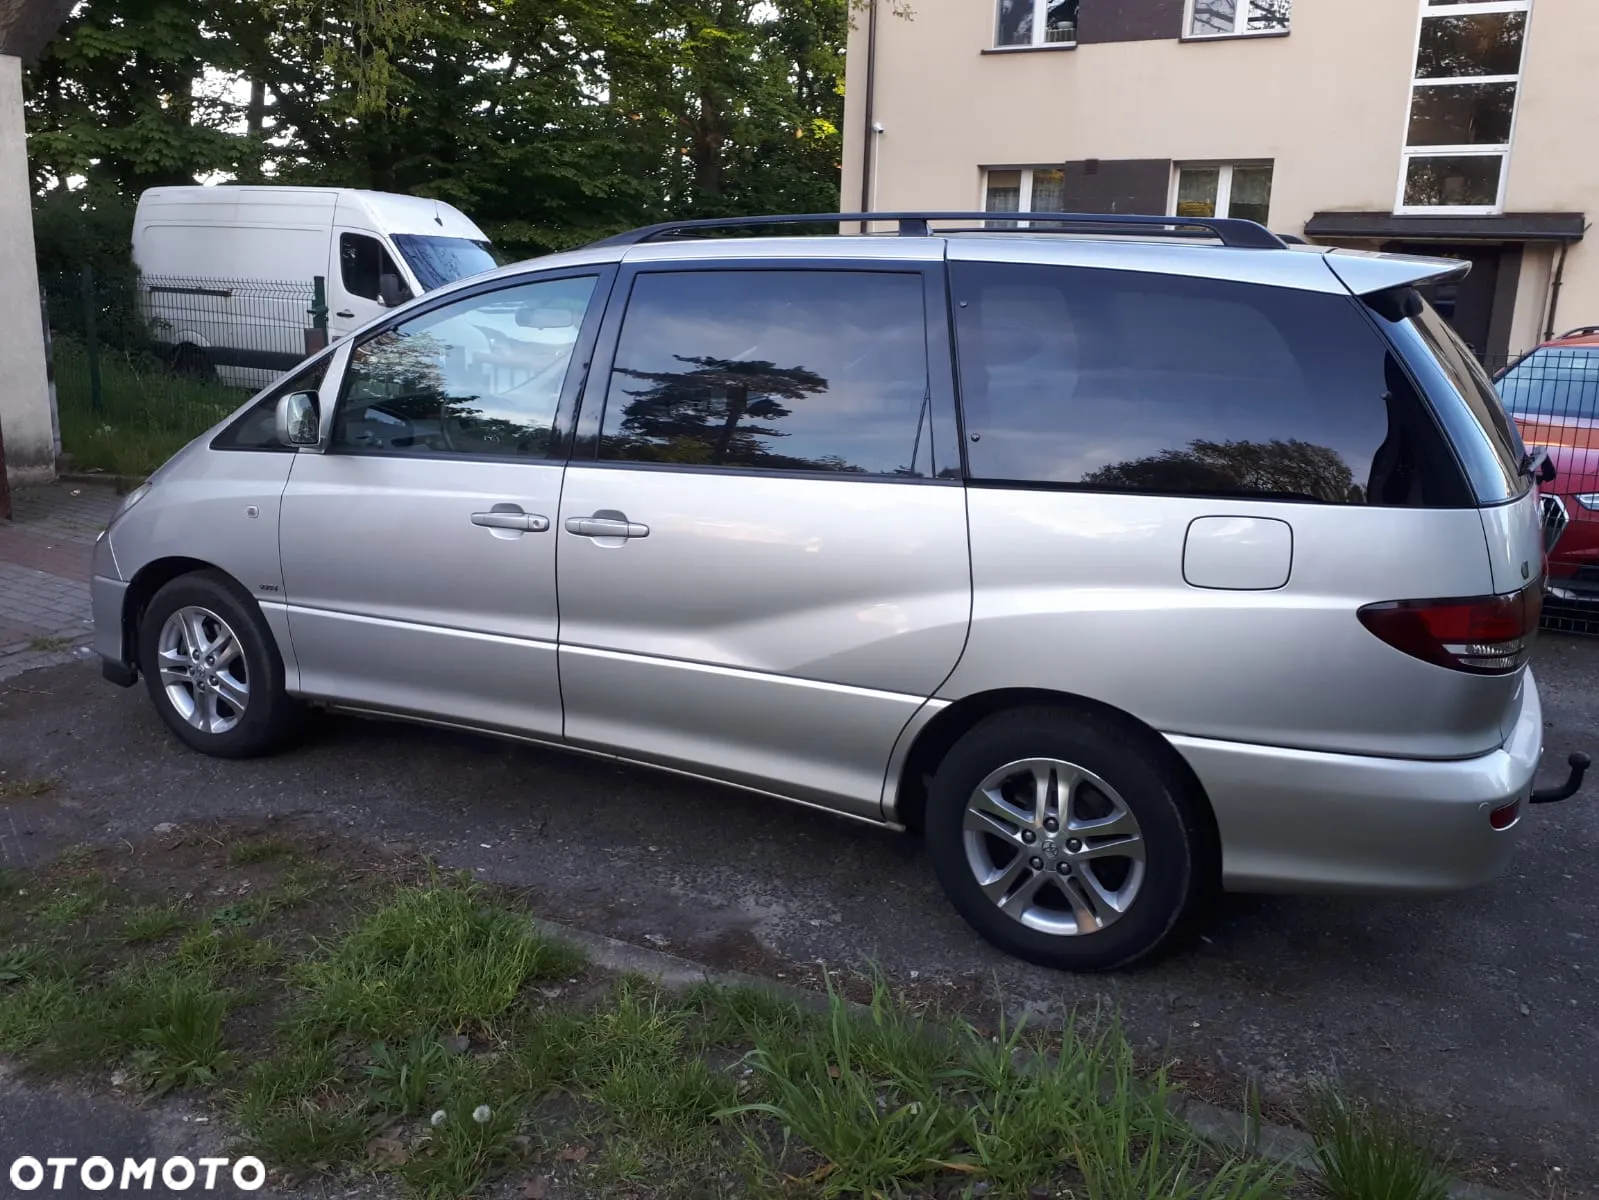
[[550, 123], [1292, 468]]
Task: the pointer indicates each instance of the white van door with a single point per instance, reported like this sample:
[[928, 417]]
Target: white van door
[[355, 287]]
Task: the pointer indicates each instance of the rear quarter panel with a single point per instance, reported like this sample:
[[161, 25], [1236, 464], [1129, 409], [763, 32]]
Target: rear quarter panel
[[1085, 593]]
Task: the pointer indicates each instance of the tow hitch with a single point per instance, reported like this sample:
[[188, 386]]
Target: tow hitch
[[1579, 764]]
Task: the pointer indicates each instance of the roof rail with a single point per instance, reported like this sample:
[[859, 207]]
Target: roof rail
[[1229, 231], [1582, 331]]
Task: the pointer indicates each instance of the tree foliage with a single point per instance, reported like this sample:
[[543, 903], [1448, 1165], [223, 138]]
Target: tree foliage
[[1287, 468], [549, 122]]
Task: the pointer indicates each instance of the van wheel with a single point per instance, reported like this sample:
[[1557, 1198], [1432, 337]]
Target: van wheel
[[1063, 840], [213, 669], [191, 362]]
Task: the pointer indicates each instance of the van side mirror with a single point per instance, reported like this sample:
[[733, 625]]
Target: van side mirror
[[392, 291], [298, 420]]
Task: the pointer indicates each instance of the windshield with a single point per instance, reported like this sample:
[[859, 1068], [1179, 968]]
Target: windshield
[[1554, 383], [441, 260]]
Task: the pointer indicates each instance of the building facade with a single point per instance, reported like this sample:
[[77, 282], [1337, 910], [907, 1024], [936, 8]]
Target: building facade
[[1459, 128]]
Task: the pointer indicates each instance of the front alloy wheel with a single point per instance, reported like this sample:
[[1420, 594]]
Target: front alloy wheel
[[203, 669], [213, 669]]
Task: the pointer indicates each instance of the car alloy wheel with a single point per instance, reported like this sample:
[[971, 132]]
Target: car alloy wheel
[[1053, 846], [203, 669]]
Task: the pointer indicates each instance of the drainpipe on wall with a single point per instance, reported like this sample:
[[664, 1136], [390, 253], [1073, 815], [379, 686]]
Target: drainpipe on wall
[[1554, 291], [869, 122]]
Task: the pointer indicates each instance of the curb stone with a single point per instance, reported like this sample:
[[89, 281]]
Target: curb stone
[[122, 483], [1220, 1127]]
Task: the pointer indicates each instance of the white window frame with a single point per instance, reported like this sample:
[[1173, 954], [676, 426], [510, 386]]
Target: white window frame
[[1024, 201], [1224, 184], [1040, 14], [1500, 151], [1240, 27]]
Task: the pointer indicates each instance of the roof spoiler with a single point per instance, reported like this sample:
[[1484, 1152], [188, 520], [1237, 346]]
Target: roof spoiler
[[1365, 271]]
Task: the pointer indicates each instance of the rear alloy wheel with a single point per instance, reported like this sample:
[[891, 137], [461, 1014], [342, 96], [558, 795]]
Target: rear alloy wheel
[[1064, 839], [1054, 846], [213, 669]]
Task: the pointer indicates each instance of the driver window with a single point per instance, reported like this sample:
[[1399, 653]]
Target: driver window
[[480, 377], [362, 263]]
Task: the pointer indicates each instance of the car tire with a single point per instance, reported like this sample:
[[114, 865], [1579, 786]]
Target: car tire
[[1102, 867], [189, 361], [213, 669]]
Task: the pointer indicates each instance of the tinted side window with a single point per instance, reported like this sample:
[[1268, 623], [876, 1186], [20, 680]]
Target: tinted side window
[[1127, 381], [482, 376], [773, 370], [361, 261], [257, 427]]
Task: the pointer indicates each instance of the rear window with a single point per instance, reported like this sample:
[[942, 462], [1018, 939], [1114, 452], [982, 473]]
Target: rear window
[[1471, 381], [1127, 381], [1483, 436], [1553, 382]]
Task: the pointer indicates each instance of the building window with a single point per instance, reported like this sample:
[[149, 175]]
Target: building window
[[1240, 190], [1036, 23], [1238, 18], [1462, 105], [1023, 189]]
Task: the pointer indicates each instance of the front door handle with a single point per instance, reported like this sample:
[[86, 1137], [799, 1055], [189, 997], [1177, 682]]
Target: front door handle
[[344, 313], [510, 517], [605, 525]]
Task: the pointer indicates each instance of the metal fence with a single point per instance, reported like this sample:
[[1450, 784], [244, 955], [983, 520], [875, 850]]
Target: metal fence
[[1552, 394], [142, 364]]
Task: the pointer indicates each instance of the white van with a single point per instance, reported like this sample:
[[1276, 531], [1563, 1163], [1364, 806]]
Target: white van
[[226, 273]]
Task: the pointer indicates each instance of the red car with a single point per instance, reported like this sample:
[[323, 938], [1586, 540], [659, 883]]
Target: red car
[[1553, 396]]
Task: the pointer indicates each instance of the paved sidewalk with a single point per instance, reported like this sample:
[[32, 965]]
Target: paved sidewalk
[[44, 573]]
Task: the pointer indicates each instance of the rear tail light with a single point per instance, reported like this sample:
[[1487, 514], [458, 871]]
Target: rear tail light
[[1481, 635]]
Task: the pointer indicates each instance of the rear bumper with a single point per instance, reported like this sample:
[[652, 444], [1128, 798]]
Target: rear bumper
[[1305, 821]]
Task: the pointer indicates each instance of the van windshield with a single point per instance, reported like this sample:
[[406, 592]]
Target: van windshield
[[441, 260]]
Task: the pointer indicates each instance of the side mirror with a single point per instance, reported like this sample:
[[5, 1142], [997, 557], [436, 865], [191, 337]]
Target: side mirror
[[392, 291], [298, 420], [1546, 470]]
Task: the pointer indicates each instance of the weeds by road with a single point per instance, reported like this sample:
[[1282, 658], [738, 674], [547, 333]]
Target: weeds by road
[[357, 1018], [147, 413]]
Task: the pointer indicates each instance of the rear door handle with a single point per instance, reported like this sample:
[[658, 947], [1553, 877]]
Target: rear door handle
[[503, 519], [606, 526]]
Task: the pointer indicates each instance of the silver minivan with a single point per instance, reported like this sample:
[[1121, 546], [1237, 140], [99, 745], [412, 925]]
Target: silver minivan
[[1123, 558]]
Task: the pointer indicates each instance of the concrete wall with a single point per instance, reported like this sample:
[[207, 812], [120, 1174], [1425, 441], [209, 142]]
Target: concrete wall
[[1328, 103], [25, 418]]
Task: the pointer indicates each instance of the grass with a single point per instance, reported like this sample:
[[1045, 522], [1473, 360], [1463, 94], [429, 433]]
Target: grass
[[49, 644], [73, 900], [410, 1027], [146, 413], [1364, 1154], [23, 789], [428, 958], [152, 922], [254, 850]]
